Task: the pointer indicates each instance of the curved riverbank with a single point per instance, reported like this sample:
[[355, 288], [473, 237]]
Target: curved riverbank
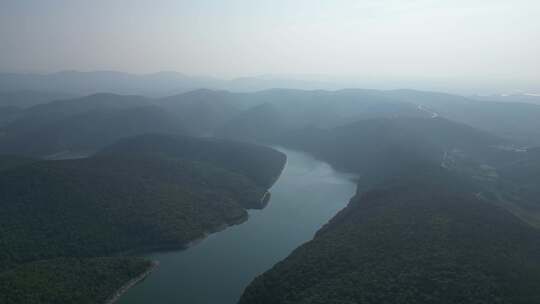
[[176, 247], [184, 246], [216, 270], [132, 283]]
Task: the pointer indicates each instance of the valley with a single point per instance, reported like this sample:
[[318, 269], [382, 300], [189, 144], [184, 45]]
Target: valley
[[307, 194], [269, 152], [229, 191]]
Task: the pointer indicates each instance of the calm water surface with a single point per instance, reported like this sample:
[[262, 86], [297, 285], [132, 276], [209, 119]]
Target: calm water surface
[[216, 271]]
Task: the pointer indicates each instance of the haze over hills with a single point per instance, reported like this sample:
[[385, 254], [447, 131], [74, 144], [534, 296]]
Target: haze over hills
[[30, 89], [296, 109], [158, 84], [24, 90], [86, 83], [270, 152], [370, 145], [228, 114], [518, 97], [26, 98], [134, 173]]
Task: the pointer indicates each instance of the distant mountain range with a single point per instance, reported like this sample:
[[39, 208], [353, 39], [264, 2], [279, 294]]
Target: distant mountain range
[[156, 85], [520, 97], [87, 124], [67, 84]]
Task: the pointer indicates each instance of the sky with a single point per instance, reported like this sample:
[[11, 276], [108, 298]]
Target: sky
[[474, 42]]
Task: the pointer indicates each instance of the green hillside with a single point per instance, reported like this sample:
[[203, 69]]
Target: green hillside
[[69, 280], [414, 240], [86, 132], [147, 193]]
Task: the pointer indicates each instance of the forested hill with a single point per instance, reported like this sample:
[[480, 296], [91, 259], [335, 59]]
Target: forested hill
[[254, 161], [84, 125], [125, 200], [377, 149], [93, 206], [43, 114], [72, 125], [70, 280], [381, 147], [277, 112], [444, 213], [87, 132], [29, 98], [414, 240]]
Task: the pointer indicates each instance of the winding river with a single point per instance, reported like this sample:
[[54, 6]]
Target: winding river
[[216, 271]]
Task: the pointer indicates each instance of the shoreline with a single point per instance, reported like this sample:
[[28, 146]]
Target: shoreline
[[263, 203], [122, 290], [125, 288], [216, 229], [265, 199]]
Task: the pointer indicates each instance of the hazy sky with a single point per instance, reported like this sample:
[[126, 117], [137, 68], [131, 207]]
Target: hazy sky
[[473, 40]]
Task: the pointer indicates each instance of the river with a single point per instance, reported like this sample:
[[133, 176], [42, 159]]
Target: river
[[216, 271]]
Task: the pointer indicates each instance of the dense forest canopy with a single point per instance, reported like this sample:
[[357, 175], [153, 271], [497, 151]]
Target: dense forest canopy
[[146, 193], [414, 240]]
